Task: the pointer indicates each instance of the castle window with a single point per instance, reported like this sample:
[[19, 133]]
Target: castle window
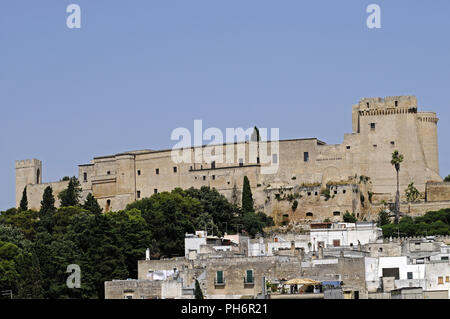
[[336, 213], [190, 168], [375, 145], [392, 143], [214, 177], [316, 193], [309, 214], [174, 169], [155, 191], [344, 191], [108, 172], [335, 192], [85, 177], [257, 160], [372, 126], [306, 157], [241, 162], [396, 103], [38, 176], [138, 193], [368, 105], [213, 164], [139, 172], [157, 171], [274, 158], [108, 205], [309, 193], [204, 177]]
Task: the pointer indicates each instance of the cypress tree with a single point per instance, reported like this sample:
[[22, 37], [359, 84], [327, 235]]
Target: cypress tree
[[48, 201], [71, 195], [247, 198], [198, 290], [24, 201], [92, 205]]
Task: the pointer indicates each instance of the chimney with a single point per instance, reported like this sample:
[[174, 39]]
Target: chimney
[[147, 254]]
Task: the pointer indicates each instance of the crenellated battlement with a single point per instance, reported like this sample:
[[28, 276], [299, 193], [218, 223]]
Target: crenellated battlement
[[406, 101], [27, 163]]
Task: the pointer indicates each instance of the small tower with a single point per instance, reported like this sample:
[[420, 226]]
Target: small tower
[[28, 172]]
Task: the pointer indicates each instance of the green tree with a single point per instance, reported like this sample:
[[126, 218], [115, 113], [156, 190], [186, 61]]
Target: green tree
[[412, 194], [198, 290], [24, 200], [91, 204], [383, 218], [247, 197], [447, 179], [396, 160], [71, 195], [350, 218], [48, 201]]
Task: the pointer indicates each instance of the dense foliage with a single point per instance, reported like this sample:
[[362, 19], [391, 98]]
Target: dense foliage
[[36, 247], [432, 223]]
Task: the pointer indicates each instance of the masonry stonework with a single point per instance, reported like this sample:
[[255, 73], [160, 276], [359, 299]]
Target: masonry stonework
[[325, 180]]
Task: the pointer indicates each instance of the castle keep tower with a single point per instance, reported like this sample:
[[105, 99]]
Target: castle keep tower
[[28, 172], [394, 123]]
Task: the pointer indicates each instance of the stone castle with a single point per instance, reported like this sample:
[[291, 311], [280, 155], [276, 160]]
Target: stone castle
[[314, 181]]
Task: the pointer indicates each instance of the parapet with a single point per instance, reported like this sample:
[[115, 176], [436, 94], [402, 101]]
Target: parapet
[[405, 101], [28, 163]]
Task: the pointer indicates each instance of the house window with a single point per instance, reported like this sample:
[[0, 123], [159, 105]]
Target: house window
[[213, 164], [336, 213], [372, 126], [174, 169], [348, 147], [139, 172], [444, 258], [336, 243], [138, 194], [344, 191], [447, 279], [274, 158], [309, 193], [128, 297], [440, 280], [219, 277], [155, 191], [249, 276], [157, 171], [214, 177], [410, 275], [306, 157], [335, 192], [85, 177]]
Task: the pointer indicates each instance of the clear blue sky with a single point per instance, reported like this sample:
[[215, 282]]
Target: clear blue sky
[[138, 69]]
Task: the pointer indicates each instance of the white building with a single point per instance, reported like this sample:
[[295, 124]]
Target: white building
[[345, 234]]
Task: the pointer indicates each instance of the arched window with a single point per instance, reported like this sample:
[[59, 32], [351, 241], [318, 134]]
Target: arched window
[[108, 205]]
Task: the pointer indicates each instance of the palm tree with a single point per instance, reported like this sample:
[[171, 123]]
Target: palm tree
[[397, 158]]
